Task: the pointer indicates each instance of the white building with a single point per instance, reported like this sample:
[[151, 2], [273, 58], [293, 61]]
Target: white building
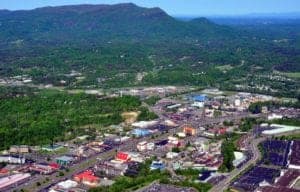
[[238, 158], [144, 146], [274, 116], [171, 155], [12, 159], [198, 104], [173, 140], [64, 186], [144, 124], [12, 179]]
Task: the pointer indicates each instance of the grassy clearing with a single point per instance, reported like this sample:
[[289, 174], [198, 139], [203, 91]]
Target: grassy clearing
[[293, 75], [224, 67]]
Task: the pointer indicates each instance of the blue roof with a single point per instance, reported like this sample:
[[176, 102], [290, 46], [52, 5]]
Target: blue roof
[[204, 175], [157, 165], [141, 132], [64, 158], [199, 98]]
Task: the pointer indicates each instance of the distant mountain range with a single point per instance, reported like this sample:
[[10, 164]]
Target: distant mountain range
[[110, 44], [288, 15], [100, 22]]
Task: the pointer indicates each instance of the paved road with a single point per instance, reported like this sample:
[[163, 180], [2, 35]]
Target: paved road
[[253, 147], [128, 146], [76, 168]]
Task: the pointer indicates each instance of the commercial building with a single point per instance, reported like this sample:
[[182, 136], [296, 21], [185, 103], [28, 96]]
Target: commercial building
[[64, 186], [144, 146], [12, 159], [279, 129], [172, 155], [239, 158], [88, 178], [42, 168], [52, 147], [294, 162], [64, 160], [140, 132], [110, 169], [144, 124], [122, 156], [157, 165], [274, 116], [19, 149], [8, 181], [199, 98], [189, 130]]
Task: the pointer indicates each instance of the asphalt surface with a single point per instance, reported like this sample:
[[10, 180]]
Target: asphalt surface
[[253, 148], [128, 146]]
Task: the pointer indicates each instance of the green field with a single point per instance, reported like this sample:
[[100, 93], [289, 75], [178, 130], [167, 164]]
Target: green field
[[293, 75]]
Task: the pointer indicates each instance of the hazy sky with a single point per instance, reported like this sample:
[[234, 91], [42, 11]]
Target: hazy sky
[[177, 7]]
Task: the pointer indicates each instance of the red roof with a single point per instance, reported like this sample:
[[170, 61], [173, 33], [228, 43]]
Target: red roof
[[122, 156], [222, 131], [3, 171], [54, 165], [86, 176]]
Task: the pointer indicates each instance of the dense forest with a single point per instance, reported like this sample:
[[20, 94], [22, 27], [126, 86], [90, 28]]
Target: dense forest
[[48, 116]]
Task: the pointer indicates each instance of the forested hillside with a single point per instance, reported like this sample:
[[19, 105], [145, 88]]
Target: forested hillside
[[110, 45]]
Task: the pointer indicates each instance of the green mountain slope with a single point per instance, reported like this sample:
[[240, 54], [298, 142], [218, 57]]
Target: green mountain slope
[[97, 23], [111, 44]]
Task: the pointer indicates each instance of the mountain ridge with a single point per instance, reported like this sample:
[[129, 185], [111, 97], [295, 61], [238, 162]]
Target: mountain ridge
[[111, 44], [125, 21]]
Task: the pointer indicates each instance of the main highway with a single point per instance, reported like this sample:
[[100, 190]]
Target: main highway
[[31, 185], [253, 148]]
